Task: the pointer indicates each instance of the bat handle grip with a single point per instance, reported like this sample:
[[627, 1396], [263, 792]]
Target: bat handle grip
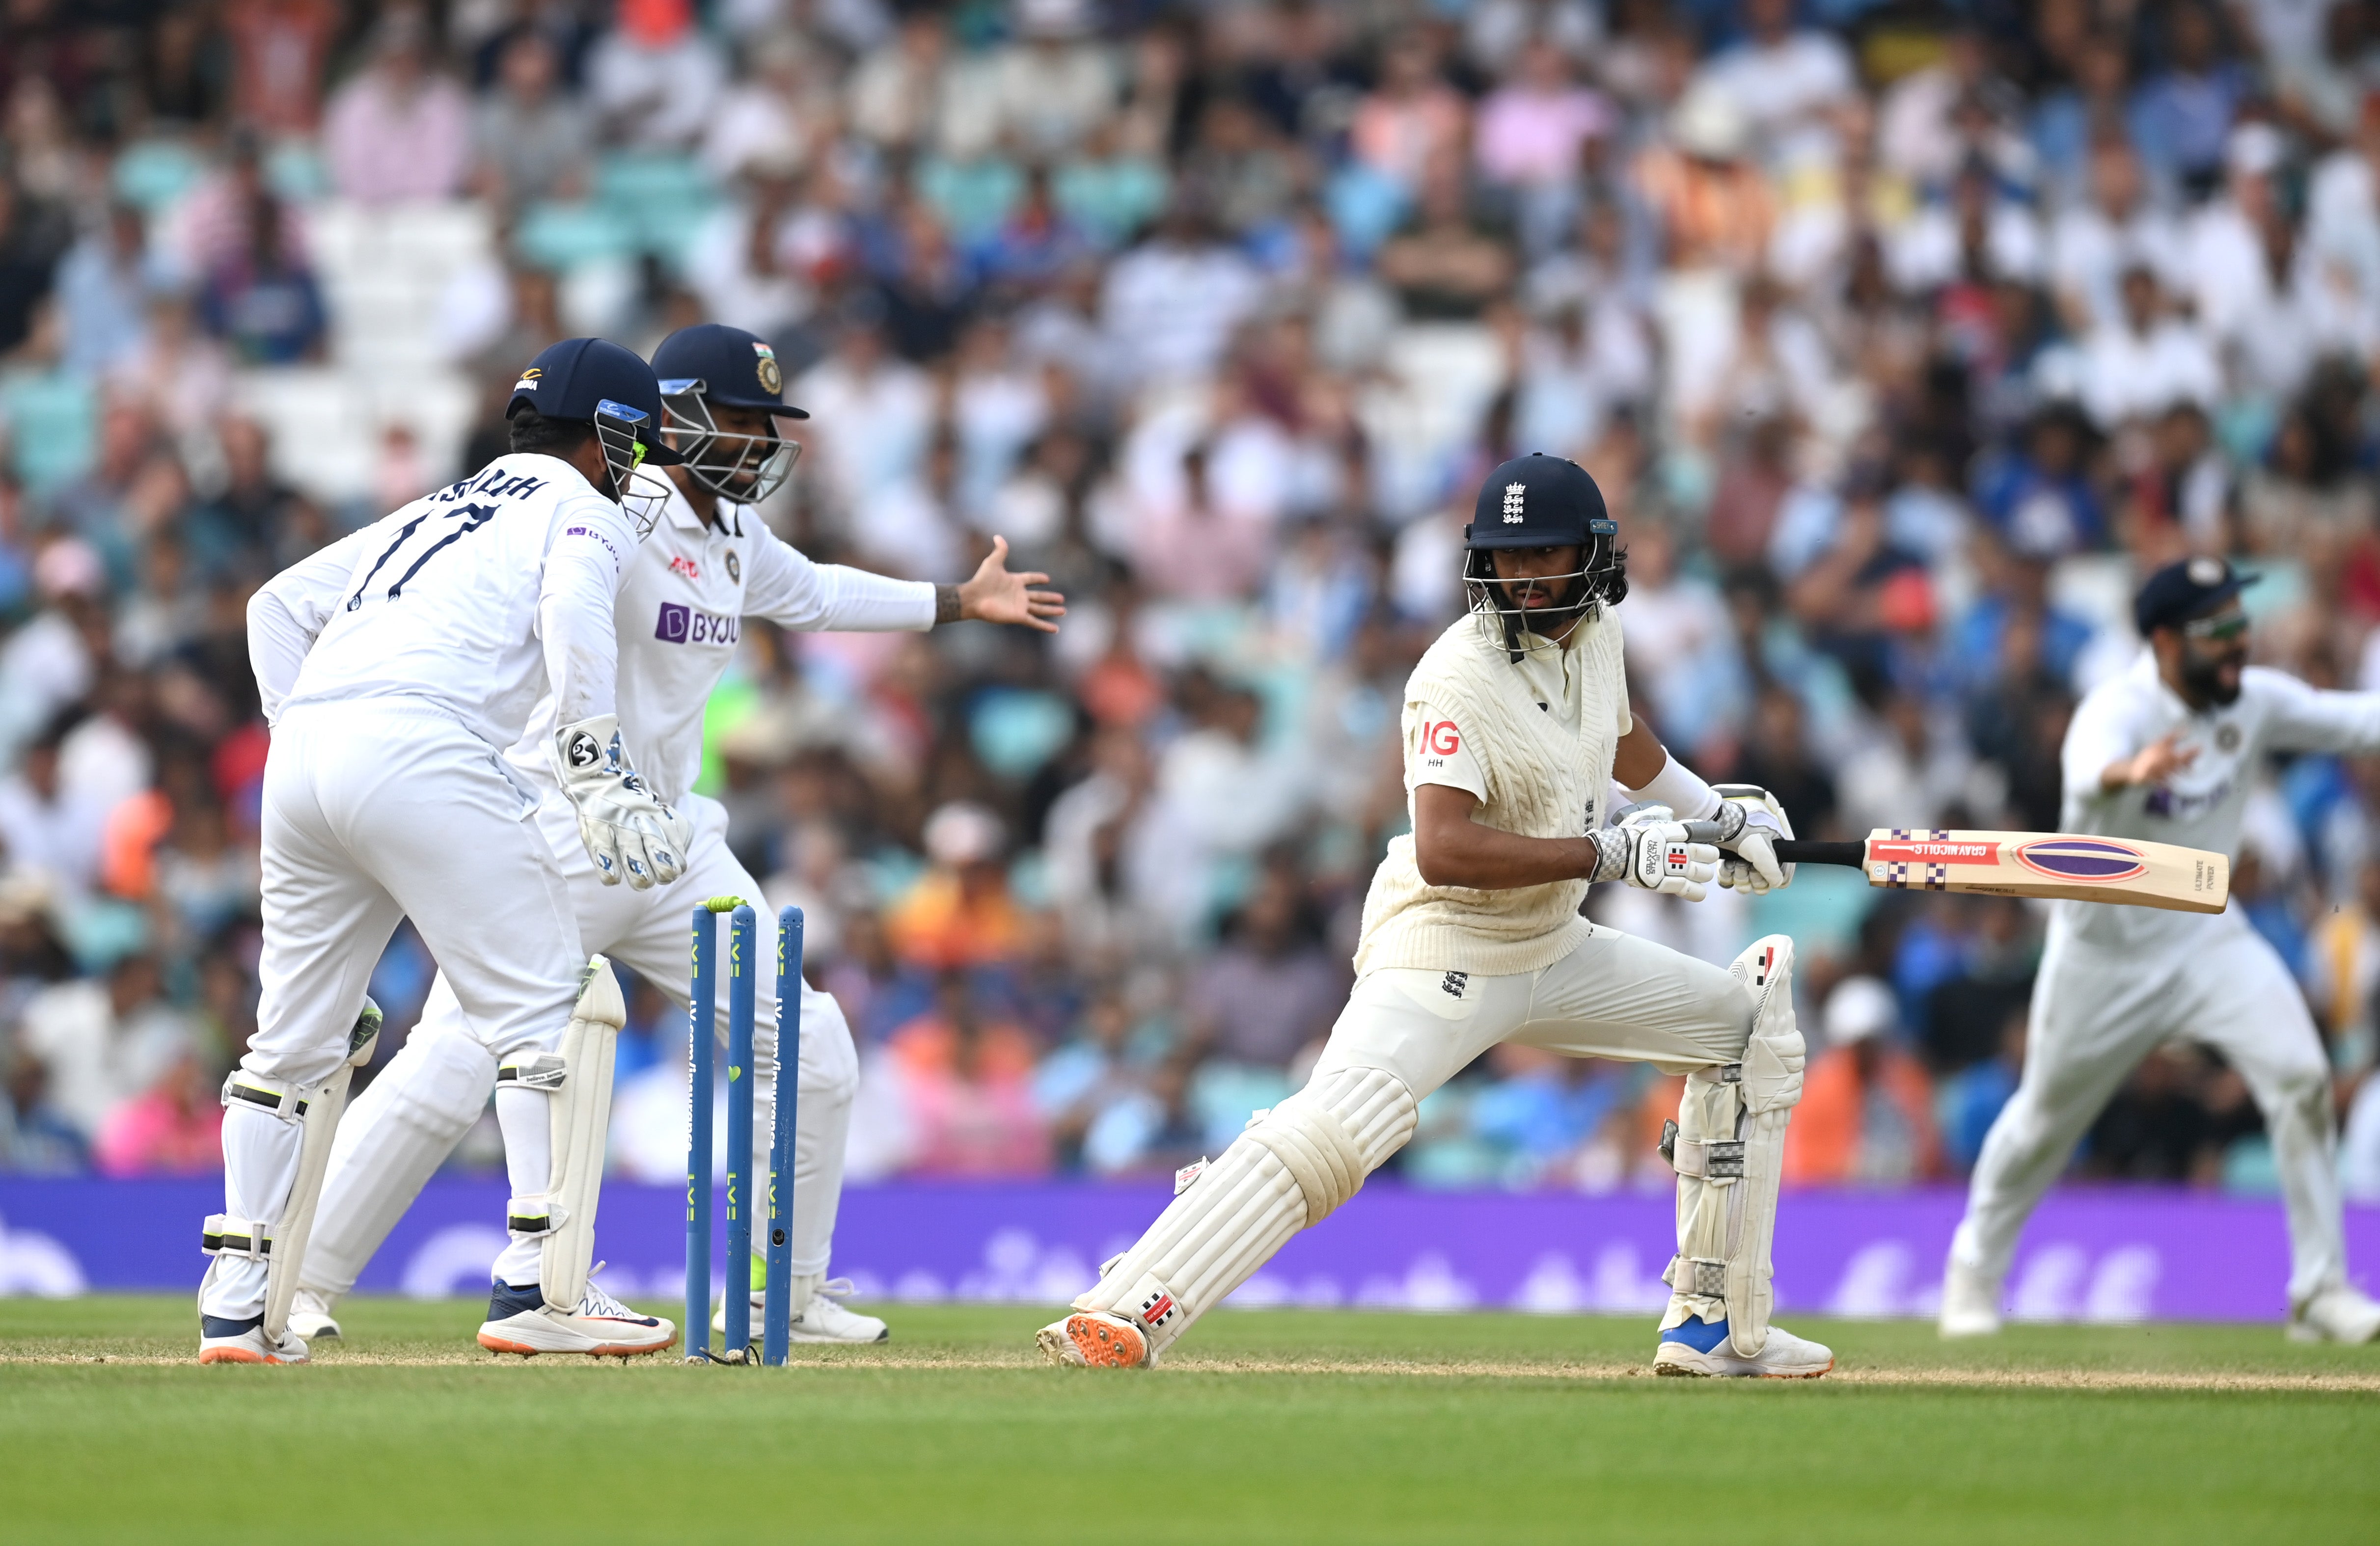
[[1702, 831], [1794, 852]]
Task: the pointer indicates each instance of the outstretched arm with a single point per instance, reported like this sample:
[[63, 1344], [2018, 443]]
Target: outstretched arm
[[2304, 719], [994, 594], [790, 591]]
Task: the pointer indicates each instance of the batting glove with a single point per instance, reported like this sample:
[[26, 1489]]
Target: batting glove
[[1650, 849], [1752, 823], [629, 834]]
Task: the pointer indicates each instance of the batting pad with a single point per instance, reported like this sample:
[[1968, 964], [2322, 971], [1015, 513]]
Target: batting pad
[[577, 1086], [1289, 1169], [315, 1111], [1729, 1153]]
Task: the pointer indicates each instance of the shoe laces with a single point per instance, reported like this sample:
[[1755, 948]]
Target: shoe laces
[[599, 1303]]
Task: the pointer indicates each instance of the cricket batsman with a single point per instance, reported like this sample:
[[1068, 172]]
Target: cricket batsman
[[1516, 725], [393, 666], [2167, 753], [710, 563]]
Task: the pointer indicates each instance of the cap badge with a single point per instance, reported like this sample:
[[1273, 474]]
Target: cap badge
[[2207, 571], [528, 382], [1514, 494], [772, 379]]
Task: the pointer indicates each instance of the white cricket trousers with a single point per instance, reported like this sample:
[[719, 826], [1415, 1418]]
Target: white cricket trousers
[[1615, 996], [403, 1128], [377, 810], [1404, 1033], [2098, 1011]]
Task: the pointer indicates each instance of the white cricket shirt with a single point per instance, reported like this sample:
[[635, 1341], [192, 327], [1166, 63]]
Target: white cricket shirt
[[679, 616], [2200, 806], [481, 599]]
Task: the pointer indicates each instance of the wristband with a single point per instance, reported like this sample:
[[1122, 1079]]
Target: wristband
[[1682, 788]]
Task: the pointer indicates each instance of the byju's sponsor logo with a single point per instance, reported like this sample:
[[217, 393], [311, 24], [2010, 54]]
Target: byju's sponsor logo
[[683, 625]]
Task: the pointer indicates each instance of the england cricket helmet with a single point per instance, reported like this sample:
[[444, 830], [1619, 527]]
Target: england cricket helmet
[[1541, 501], [711, 365]]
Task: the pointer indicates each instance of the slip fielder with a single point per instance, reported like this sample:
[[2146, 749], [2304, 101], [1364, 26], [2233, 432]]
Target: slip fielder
[[1516, 723], [709, 564], [2167, 753]]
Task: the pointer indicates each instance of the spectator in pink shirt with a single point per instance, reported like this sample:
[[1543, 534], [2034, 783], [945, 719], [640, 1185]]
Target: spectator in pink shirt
[[1412, 115], [174, 1129], [1531, 127], [398, 130]]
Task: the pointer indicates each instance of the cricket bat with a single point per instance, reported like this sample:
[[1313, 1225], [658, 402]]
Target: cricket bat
[[2032, 864]]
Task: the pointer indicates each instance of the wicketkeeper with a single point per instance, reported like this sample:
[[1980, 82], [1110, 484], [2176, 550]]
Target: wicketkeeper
[[710, 563], [1516, 725]]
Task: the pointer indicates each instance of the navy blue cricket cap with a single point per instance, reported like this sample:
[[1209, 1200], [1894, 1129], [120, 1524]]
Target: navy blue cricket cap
[[2188, 589], [730, 367], [1538, 501], [592, 378]]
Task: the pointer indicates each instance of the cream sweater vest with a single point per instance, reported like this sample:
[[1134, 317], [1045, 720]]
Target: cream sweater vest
[[1544, 781]]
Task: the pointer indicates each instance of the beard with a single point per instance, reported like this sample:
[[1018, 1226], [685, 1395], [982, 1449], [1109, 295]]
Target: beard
[[2203, 675]]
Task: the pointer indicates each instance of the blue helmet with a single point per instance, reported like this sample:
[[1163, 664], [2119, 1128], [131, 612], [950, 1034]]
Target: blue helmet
[[593, 380], [711, 365], [1541, 501]]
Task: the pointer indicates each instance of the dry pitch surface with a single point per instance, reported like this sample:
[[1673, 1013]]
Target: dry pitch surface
[[1269, 1426]]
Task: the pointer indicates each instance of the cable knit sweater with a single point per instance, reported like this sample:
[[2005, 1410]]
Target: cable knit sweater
[[1545, 779]]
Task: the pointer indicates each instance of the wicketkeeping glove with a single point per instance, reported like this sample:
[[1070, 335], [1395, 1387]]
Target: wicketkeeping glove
[[1649, 848], [1752, 823], [628, 833]]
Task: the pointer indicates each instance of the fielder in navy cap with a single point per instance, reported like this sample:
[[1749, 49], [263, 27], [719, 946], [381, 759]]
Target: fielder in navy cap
[[591, 386], [2191, 611], [2171, 750], [724, 395]]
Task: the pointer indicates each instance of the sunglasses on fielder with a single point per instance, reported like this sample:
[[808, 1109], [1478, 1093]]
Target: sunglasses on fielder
[[2221, 628]]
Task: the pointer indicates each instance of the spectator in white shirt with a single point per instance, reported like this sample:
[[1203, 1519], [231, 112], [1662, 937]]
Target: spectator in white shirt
[[1779, 77], [874, 413], [655, 80], [2137, 367], [104, 1041], [1171, 302], [2092, 242]]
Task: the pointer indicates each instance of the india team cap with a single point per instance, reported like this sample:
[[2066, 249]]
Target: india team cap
[[726, 365], [591, 377], [2191, 587]]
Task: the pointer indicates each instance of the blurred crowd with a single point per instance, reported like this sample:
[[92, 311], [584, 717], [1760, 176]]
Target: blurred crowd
[[1901, 337]]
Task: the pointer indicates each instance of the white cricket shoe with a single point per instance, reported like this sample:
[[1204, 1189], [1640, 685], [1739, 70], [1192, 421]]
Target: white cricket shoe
[[820, 1318], [1097, 1340], [1699, 1350], [1971, 1302], [245, 1342], [311, 1317], [2338, 1313], [824, 1320], [519, 1321]]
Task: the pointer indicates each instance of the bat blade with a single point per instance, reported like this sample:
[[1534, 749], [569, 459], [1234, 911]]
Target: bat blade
[[2072, 866]]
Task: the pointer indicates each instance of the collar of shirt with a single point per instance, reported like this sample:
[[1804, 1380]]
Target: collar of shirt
[[682, 514], [1551, 670]]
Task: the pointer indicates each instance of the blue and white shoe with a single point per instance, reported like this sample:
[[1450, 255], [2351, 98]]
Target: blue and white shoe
[[1699, 1350], [519, 1321], [243, 1341]]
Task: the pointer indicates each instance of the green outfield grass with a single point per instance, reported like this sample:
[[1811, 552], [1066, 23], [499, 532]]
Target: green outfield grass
[[1271, 1426]]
